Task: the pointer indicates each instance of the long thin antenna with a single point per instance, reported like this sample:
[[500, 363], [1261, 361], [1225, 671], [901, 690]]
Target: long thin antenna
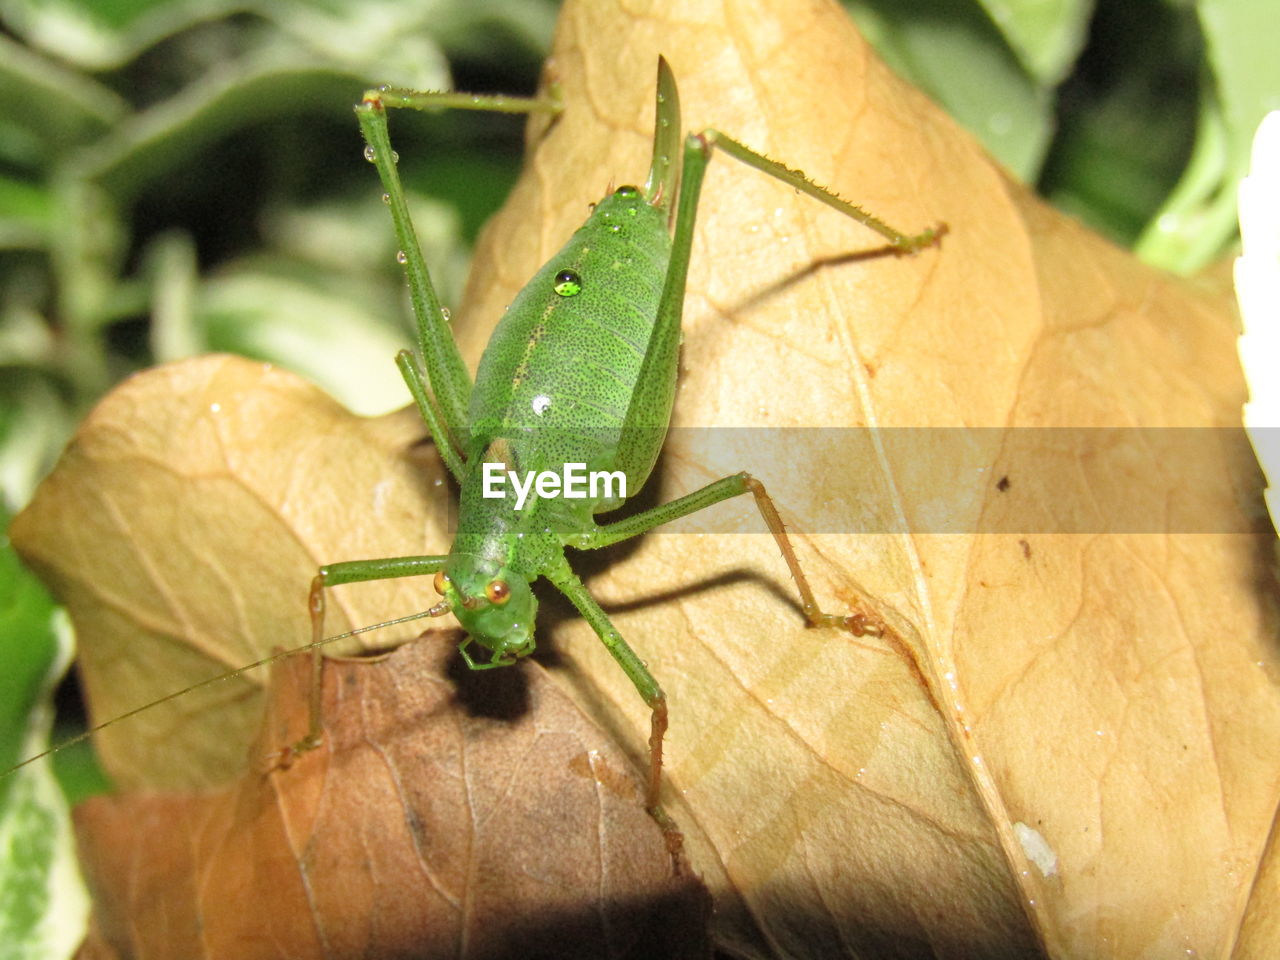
[[79, 738]]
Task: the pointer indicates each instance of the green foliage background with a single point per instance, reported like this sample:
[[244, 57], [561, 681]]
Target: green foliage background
[[180, 176]]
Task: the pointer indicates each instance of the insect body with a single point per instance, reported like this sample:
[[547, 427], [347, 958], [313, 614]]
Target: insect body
[[580, 371], [555, 387]]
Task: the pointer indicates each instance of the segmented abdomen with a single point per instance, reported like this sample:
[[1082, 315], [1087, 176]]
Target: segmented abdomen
[[558, 374]]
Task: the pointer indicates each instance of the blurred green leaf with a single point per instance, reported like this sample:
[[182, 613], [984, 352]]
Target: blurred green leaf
[[43, 904], [955, 54], [326, 331], [45, 107], [1126, 117], [30, 651], [1242, 84], [1046, 34], [102, 34], [33, 418], [25, 212], [172, 137]]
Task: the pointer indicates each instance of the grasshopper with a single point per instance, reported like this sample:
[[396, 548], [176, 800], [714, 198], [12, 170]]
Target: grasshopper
[[580, 373]]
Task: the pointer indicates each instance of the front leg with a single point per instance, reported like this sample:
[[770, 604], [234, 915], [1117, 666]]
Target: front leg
[[569, 584], [356, 571]]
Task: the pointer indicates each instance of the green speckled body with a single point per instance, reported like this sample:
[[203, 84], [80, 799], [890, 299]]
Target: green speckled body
[[559, 381]]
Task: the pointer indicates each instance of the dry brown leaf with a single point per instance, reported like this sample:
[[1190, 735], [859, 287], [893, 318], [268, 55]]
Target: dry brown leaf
[[1112, 694], [182, 528], [421, 828]]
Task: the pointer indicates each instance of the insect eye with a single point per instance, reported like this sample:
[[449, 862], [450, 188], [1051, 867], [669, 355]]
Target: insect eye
[[498, 592], [626, 192], [440, 581]]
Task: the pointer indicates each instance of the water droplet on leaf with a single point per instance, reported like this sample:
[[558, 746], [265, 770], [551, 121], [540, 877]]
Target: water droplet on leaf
[[568, 284]]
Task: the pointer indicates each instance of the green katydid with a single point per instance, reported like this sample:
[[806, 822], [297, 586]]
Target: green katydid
[[581, 370]]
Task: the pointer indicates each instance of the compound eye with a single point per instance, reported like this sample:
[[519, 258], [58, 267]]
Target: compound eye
[[497, 592], [440, 581]]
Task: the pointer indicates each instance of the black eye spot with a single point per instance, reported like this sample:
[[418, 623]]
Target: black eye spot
[[626, 192]]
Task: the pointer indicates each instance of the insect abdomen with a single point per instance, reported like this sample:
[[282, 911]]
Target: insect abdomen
[[557, 376]]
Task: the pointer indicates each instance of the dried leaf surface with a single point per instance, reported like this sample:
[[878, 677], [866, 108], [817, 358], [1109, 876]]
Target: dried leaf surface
[[1109, 698], [423, 827], [182, 528]]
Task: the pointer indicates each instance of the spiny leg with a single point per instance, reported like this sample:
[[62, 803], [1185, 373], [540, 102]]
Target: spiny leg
[[446, 374], [901, 242], [650, 406], [569, 584], [335, 574], [713, 493], [448, 446], [697, 154], [666, 338]]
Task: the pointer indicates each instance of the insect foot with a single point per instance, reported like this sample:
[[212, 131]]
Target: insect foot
[[287, 756], [862, 625]]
